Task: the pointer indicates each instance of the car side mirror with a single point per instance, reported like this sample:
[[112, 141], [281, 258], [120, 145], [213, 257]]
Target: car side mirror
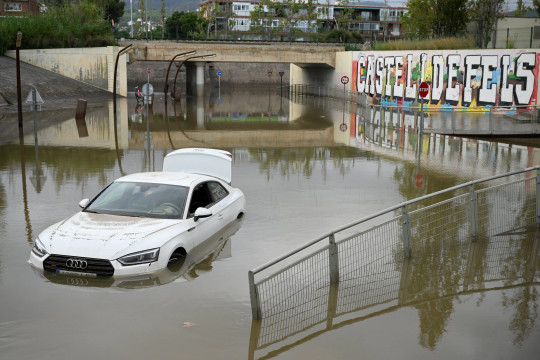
[[84, 203], [201, 213]]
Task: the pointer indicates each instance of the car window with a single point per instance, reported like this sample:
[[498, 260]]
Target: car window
[[140, 199], [206, 195], [217, 190], [201, 197]]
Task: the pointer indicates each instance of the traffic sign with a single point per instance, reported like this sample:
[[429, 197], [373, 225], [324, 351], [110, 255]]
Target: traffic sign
[[147, 89], [419, 180], [344, 80], [219, 73], [423, 89]]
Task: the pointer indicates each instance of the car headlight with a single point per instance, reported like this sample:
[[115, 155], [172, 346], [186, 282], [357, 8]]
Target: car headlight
[[140, 257], [39, 249]]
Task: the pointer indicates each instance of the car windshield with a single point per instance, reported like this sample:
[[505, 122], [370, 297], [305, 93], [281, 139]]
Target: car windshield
[[141, 199]]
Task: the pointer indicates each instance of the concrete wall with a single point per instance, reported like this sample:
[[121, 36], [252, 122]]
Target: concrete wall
[[94, 66]]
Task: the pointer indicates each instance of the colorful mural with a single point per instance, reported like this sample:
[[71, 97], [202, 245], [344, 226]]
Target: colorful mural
[[471, 80]]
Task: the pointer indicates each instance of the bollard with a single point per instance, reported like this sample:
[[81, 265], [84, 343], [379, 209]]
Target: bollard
[[81, 109]]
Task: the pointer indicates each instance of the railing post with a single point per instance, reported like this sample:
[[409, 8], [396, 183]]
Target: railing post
[[473, 213], [333, 259], [254, 296], [538, 196], [406, 233], [491, 127]]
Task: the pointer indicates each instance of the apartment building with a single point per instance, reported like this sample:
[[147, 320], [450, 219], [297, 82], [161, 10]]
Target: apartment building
[[18, 7], [252, 19]]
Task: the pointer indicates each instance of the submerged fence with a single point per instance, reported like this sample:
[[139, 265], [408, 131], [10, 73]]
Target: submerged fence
[[455, 120], [370, 253]]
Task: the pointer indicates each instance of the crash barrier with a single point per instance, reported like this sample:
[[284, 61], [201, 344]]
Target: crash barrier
[[454, 120], [368, 251], [509, 262]]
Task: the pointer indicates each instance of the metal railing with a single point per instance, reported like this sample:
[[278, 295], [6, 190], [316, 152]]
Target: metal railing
[[466, 212], [456, 120], [435, 274]]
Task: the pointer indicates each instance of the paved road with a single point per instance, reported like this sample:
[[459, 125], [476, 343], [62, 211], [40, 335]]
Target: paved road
[[58, 92]]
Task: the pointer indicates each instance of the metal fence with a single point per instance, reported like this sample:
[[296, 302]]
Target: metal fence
[[471, 210], [457, 120], [378, 261]]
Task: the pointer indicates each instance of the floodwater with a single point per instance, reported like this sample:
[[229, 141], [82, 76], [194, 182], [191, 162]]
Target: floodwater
[[305, 168]]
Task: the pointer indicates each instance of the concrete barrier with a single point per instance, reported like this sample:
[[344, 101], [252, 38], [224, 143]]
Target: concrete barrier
[[93, 66]]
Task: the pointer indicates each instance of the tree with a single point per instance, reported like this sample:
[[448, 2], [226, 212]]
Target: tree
[[521, 8], [437, 18], [484, 13], [184, 24], [256, 19], [536, 6], [113, 9]]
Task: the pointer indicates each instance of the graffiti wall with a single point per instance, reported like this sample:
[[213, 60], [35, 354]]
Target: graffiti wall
[[467, 79]]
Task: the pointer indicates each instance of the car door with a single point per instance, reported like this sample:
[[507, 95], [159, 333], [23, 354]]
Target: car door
[[209, 195]]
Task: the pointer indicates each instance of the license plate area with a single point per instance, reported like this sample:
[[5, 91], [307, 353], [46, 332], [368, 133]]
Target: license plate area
[[75, 273]]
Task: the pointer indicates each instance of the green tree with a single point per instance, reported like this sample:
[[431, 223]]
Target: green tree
[[536, 6], [113, 9], [345, 17], [484, 14], [437, 18], [521, 8], [183, 25]]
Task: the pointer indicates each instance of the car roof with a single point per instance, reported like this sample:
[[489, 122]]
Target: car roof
[[169, 178]]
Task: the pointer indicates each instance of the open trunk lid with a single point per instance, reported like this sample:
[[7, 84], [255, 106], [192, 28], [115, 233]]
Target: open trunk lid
[[211, 162]]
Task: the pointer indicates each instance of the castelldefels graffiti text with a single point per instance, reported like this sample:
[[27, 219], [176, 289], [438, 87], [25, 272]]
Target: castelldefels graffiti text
[[457, 78]]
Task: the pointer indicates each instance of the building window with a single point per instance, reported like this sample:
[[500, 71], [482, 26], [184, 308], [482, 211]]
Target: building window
[[13, 7]]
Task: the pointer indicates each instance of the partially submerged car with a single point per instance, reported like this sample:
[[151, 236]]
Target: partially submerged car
[[141, 223]]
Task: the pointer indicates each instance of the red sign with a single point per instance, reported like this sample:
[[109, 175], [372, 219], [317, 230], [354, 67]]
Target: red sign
[[419, 180], [424, 89], [344, 80], [149, 71]]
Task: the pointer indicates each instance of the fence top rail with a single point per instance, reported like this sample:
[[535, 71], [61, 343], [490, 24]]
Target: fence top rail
[[427, 108], [385, 211]]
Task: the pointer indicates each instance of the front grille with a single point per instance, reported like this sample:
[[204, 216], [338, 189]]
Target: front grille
[[100, 267]]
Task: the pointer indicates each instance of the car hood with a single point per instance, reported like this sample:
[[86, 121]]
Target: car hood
[[106, 236]]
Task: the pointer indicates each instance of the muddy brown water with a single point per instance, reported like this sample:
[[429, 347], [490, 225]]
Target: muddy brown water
[[303, 173]]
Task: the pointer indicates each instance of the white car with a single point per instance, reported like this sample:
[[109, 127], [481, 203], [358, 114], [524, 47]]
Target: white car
[[142, 223]]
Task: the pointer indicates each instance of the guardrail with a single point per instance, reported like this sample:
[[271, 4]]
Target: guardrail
[[467, 211]]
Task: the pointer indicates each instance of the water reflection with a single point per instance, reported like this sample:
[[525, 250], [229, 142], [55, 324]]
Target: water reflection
[[275, 142], [431, 282]]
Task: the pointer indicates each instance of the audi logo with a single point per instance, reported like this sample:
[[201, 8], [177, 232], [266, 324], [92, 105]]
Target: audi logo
[[76, 264]]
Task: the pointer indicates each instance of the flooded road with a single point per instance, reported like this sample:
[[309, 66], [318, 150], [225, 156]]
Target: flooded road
[[305, 168]]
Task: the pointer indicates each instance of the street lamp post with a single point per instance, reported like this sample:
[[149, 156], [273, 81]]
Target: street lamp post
[[169, 68], [131, 15], [182, 63], [19, 97]]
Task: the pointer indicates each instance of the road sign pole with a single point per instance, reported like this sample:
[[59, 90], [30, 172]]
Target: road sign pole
[[34, 106], [421, 115]]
